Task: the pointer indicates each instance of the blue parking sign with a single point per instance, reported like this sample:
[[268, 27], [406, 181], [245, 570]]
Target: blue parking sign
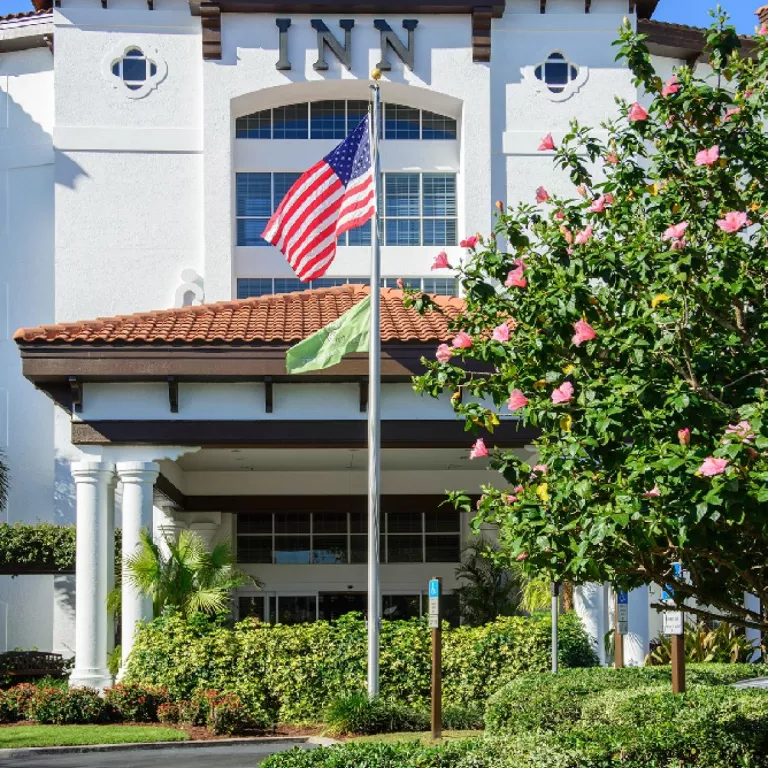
[[434, 588], [622, 598]]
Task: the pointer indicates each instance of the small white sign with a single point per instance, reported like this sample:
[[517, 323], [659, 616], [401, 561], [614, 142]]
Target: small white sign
[[434, 621], [672, 623], [622, 619], [434, 606]]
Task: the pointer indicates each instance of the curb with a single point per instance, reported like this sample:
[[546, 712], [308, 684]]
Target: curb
[[257, 740]]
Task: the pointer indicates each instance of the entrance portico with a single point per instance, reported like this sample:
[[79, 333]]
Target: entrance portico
[[191, 414]]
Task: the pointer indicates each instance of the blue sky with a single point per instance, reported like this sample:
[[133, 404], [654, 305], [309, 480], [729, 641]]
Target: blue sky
[[693, 12]]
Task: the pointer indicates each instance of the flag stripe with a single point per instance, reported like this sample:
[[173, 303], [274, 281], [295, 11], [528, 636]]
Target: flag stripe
[[333, 196]]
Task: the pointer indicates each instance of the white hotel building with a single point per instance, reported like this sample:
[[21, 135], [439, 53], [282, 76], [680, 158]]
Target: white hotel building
[[143, 145]]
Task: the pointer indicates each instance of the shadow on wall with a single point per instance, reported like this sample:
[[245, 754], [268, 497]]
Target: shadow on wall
[[63, 493], [67, 171]]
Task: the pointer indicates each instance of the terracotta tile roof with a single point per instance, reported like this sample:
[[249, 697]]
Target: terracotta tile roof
[[26, 14], [286, 318]]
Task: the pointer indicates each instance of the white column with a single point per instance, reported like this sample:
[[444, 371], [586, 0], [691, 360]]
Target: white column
[[92, 482], [752, 603], [138, 479], [111, 560], [590, 602], [637, 643], [166, 527]]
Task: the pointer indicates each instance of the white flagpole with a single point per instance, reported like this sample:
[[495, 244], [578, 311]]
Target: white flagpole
[[374, 416]]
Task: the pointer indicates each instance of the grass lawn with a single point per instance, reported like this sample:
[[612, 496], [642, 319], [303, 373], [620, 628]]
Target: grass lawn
[[425, 737], [14, 736]]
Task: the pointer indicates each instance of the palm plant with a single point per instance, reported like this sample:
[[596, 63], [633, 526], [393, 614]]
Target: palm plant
[[188, 578], [489, 588]]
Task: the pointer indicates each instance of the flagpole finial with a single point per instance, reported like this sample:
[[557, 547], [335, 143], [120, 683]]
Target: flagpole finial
[[376, 74]]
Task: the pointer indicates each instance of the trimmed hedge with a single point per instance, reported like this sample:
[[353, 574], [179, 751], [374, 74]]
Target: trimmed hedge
[[710, 727], [549, 702], [293, 672], [38, 547]]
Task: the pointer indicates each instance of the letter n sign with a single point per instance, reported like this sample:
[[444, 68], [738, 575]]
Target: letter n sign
[[326, 38], [389, 38]]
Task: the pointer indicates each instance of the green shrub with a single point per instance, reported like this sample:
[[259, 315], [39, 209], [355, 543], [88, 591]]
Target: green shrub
[[551, 701], [21, 697], [168, 713], [463, 718], [378, 755], [135, 703], [227, 715], [292, 672], [77, 706], [356, 713], [9, 708]]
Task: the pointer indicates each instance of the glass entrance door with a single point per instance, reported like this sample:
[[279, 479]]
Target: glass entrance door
[[336, 604]]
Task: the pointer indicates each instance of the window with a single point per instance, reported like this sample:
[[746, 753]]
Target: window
[[334, 537], [257, 197], [248, 287], [419, 209], [134, 69], [556, 72], [336, 119]]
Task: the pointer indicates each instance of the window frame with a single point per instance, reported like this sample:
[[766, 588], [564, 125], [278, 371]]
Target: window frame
[[385, 534], [309, 137], [420, 282]]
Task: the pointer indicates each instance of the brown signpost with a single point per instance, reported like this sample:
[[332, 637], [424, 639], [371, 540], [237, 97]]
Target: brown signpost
[[621, 620], [435, 593], [678, 664]]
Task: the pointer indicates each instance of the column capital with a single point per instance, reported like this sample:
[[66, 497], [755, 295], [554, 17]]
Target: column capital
[[138, 471], [85, 471]]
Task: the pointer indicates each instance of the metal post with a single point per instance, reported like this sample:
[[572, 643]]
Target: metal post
[[374, 422], [555, 613], [437, 666], [618, 641]]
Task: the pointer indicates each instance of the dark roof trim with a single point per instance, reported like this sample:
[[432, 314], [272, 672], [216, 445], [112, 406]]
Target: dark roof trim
[[303, 433], [678, 41], [56, 365], [644, 8], [358, 7]]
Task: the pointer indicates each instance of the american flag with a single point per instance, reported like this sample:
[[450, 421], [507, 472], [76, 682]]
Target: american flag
[[333, 196]]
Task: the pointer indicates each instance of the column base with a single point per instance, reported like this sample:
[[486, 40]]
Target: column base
[[91, 678]]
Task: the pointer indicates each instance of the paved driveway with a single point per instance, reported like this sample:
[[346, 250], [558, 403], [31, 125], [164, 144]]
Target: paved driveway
[[236, 756]]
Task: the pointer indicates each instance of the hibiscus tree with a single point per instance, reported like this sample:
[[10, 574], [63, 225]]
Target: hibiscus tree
[[636, 331]]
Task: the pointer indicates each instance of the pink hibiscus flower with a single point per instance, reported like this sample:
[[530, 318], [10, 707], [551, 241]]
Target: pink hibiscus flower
[[478, 449], [462, 340], [517, 400], [542, 195], [675, 232], [708, 156], [522, 556], [584, 236], [443, 353], [742, 431], [469, 242], [733, 221], [637, 113], [712, 466], [612, 158], [441, 261], [515, 278], [654, 493], [563, 393], [584, 332], [501, 333], [542, 469], [684, 436], [729, 113], [670, 87], [599, 205], [547, 143]]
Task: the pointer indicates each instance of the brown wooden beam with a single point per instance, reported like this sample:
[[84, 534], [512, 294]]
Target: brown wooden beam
[[359, 7], [293, 434]]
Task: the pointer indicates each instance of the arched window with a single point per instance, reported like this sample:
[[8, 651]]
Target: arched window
[[556, 72], [336, 119]]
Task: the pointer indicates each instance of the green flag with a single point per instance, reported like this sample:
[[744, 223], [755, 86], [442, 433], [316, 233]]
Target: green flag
[[326, 347]]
